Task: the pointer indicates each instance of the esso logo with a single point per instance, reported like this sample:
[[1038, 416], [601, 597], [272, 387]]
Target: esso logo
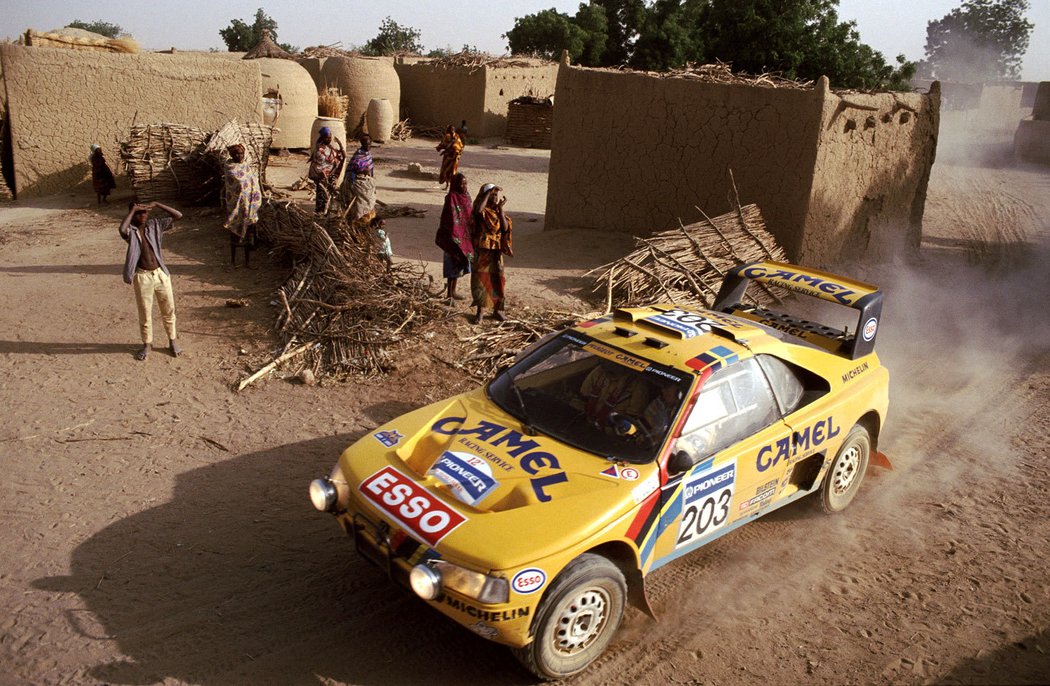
[[869, 329], [410, 505], [528, 581]]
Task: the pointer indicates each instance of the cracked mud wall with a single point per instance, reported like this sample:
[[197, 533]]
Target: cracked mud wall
[[435, 95], [874, 156], [635, 153], [62, 101]]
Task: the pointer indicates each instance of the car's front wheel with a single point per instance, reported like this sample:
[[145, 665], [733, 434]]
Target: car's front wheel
[[576, 619], [846, 472]]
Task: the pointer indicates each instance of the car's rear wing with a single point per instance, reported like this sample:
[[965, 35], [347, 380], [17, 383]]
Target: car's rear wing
[[863, 297]]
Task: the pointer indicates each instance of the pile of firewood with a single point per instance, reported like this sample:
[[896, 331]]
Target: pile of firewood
[[341, 312], [686, 265]]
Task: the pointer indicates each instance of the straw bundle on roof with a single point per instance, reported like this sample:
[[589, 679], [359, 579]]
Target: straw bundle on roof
[[267, 48], [78, 39], [686, 265]]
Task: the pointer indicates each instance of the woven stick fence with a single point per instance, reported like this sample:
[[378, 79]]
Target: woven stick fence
[[686, 265], [341, 312], [178, 162]]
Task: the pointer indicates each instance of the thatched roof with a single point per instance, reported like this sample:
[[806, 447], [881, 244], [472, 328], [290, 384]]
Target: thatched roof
[[267, 48]]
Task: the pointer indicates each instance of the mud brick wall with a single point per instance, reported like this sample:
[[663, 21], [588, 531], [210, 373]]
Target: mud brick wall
[[874, 155], [637, 153], [434, 95], [438, 96], [529, 124], [504, 84], [62, 101]]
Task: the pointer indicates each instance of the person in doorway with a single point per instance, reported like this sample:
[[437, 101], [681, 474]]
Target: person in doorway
[[325, 162], [242, 199], [144, 268], [451, 148], [453, 235], [491, 238], [101, 175], [358, 192]]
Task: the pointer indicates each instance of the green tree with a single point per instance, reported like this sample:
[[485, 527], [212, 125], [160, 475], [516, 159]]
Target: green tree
[[978, 41], [799, 39], [624, 21], [546, 34], [103, 28], [242, 37], [670, 36], [394, 39]]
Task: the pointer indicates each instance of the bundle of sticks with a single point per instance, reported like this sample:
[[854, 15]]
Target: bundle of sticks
[[177, 162], [686, 265], [721, 72], [493, 349], [474, 60], [332, 50], [401, 131], [341, 312], [163, 161]]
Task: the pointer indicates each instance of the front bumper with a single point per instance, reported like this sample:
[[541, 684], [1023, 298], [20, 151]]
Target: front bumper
[[391, 550]]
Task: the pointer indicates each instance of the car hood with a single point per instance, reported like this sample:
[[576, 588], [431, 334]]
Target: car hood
[[520, 496]]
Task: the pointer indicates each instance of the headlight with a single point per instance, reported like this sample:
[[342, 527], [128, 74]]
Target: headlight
[[323, 494], [486, 589], [425, 581]]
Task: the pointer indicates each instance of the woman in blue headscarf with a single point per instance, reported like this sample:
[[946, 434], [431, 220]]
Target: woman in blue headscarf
[[325, 162]]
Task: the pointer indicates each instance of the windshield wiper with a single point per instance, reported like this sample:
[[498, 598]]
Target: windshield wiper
[[526, 426]]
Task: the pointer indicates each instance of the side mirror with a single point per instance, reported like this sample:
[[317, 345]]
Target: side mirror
[[680, 462]]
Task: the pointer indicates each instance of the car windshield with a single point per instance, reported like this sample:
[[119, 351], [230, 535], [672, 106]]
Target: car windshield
[[594, 397]]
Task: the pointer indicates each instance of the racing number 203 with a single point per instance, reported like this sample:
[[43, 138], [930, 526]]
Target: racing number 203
[[705, 507]]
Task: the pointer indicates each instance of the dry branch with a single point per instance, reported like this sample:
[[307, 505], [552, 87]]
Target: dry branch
[[686, 265], [341, 312]]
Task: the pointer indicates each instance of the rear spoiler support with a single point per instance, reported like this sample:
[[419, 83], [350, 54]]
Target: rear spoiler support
[[863, 297]]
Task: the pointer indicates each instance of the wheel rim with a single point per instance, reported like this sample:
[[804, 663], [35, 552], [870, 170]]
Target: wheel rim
[[581, 621], [846, 469]]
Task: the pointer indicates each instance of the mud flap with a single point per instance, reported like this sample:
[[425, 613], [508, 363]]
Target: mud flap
[[636, 596], [880, 460]]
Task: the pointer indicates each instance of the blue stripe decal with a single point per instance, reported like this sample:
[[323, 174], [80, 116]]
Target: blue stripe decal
[[724, 530], [672, 509]]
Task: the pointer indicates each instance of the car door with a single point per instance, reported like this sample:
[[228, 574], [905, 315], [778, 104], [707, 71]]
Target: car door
[[729, 429]]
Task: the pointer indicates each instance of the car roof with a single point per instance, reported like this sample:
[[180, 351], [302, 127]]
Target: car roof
[[687, 338]]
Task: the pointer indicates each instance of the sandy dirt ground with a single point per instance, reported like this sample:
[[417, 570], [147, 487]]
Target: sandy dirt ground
[[156, 529]]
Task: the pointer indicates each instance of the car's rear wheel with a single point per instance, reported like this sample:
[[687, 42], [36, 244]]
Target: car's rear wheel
[[577, 618], [846, 472]]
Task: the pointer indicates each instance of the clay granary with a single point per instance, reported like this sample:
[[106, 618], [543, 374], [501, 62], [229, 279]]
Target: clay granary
[[837, 175]]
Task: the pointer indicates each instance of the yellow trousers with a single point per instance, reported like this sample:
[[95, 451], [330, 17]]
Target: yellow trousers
[[147, 285]]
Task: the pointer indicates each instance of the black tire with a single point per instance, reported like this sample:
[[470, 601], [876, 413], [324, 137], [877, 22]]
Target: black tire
[[846, 472], [577, 618]]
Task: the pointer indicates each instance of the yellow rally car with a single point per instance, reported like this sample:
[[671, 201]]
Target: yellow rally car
[[530, 511]]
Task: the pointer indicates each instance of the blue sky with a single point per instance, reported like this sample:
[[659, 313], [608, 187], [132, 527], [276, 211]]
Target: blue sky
[[890, 26]]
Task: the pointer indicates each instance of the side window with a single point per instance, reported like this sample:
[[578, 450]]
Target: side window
[[786, 386], [793, 386], [733, 404]]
